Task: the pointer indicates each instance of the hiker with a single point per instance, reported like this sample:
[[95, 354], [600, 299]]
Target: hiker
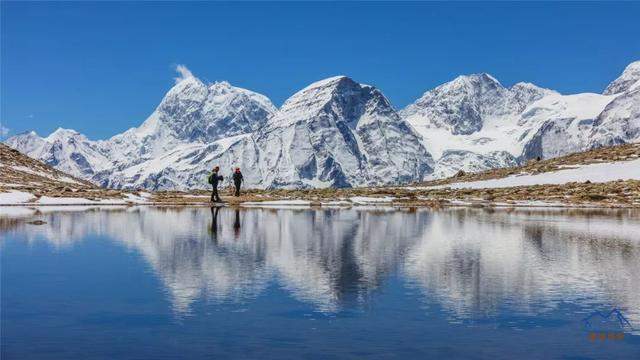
[[214, 179], [237, 180]]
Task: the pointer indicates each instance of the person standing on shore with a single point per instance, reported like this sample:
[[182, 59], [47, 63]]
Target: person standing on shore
[[214, 179], [237, 180]]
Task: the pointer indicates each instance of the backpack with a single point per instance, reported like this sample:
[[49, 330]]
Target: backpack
[[211, 178]]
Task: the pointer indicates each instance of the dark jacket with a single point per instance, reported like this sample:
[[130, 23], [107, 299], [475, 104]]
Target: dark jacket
[[214, 178], [237, 177]]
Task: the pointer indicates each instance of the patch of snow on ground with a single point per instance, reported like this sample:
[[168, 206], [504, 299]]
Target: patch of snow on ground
[[597, 173], [278, 203], [15, 197], [336, 203], [136, 199], [47, 200], [371, 200]]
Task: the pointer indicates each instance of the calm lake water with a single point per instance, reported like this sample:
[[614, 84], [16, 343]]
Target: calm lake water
[[299, 283]]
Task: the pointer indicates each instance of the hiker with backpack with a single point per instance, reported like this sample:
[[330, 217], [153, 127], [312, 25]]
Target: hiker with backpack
[[237, 180], [214, 179]]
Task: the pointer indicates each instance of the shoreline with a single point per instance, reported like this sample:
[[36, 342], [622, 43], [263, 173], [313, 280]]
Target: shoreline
[[324, 205]]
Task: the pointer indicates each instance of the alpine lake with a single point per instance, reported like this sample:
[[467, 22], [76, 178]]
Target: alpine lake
[[290, 283]]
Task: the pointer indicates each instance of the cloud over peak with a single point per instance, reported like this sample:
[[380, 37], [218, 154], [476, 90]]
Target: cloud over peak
[[183, 73]]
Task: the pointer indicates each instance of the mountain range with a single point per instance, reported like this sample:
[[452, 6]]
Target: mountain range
[[340, 133]]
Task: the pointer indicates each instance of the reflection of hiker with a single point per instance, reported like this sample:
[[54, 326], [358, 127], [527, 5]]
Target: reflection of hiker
[[237, 181], [236, 224], [214, 179], [214, 223]]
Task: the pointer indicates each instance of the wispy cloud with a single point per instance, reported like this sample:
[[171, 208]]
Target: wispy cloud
[[4, 131], [183, 73]]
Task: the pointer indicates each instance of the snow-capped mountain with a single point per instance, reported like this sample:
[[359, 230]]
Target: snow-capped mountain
[[337, 132], [474, 123]]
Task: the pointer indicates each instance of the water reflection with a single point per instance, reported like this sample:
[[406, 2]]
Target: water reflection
[[472, 262]]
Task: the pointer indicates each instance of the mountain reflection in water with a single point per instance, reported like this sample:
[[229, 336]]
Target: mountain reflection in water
[[472, 261]]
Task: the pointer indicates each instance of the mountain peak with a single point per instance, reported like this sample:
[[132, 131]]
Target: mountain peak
[[629, 77], [528, 92], [61, 133], [316, 97], [525, 85], [220, 85], [480, 77], [633, 67], [471, 84], [328, 82]]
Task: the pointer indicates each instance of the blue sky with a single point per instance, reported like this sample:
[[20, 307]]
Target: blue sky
[[101, 68]]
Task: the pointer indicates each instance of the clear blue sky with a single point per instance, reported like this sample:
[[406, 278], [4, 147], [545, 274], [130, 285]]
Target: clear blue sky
[[101, 68]]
